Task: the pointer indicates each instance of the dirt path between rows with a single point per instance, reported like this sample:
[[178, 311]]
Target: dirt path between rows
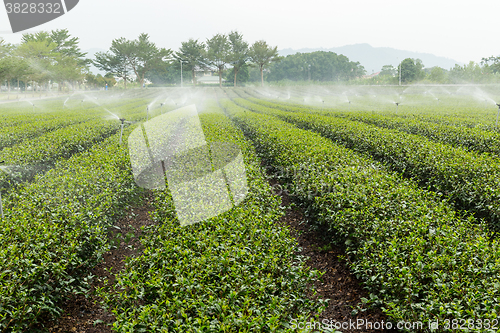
[[83, 313], [337, 284]]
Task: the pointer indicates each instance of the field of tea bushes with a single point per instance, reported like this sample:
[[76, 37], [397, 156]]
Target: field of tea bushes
[[411, 193]]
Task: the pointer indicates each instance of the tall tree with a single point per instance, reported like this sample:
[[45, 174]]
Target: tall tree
[[113, 63], [68, 46], [411, 70], [239, 52], [70, 63], [142, 54], [12, 67], [218, 53], [4, 48], [316, 66], [437, 75], [193, 55], [494, 67], [41, 57], [388, 70], [262, 55]]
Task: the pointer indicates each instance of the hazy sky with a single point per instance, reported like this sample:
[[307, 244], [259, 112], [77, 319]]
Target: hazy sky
[[457, 29]]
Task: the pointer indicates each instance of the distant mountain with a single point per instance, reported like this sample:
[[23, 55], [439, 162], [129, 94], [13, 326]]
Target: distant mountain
[[373, 58]]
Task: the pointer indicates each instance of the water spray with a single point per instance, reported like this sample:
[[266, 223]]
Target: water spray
[[64, 104], [111, 113]]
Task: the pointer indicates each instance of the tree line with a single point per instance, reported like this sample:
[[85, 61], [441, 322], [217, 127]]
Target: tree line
[[41, 59], [145, 60], [413, 71], [44, 59]]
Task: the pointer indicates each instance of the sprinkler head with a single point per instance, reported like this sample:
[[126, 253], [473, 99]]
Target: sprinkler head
[[397, 104], [498, 104], [122, 120]]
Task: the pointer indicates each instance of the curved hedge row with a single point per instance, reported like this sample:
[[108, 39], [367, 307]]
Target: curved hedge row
[[235, 272], [455, 119], [55, 230], [473, 139], [52, 140], [10, 136], [470, 180], [419, 260]]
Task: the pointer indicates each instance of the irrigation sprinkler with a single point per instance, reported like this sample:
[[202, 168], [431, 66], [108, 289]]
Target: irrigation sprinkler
[[121, 132], [397, 106], [161, 108], [349, 105], [147, 113], [122, 125]]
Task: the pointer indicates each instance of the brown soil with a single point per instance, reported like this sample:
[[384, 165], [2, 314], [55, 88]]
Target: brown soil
[[83, 313], [337, 284]]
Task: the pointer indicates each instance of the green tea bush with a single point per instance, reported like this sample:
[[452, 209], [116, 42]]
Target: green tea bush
[[235, 272], [470, 180], [418, 258], [54, 231]]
